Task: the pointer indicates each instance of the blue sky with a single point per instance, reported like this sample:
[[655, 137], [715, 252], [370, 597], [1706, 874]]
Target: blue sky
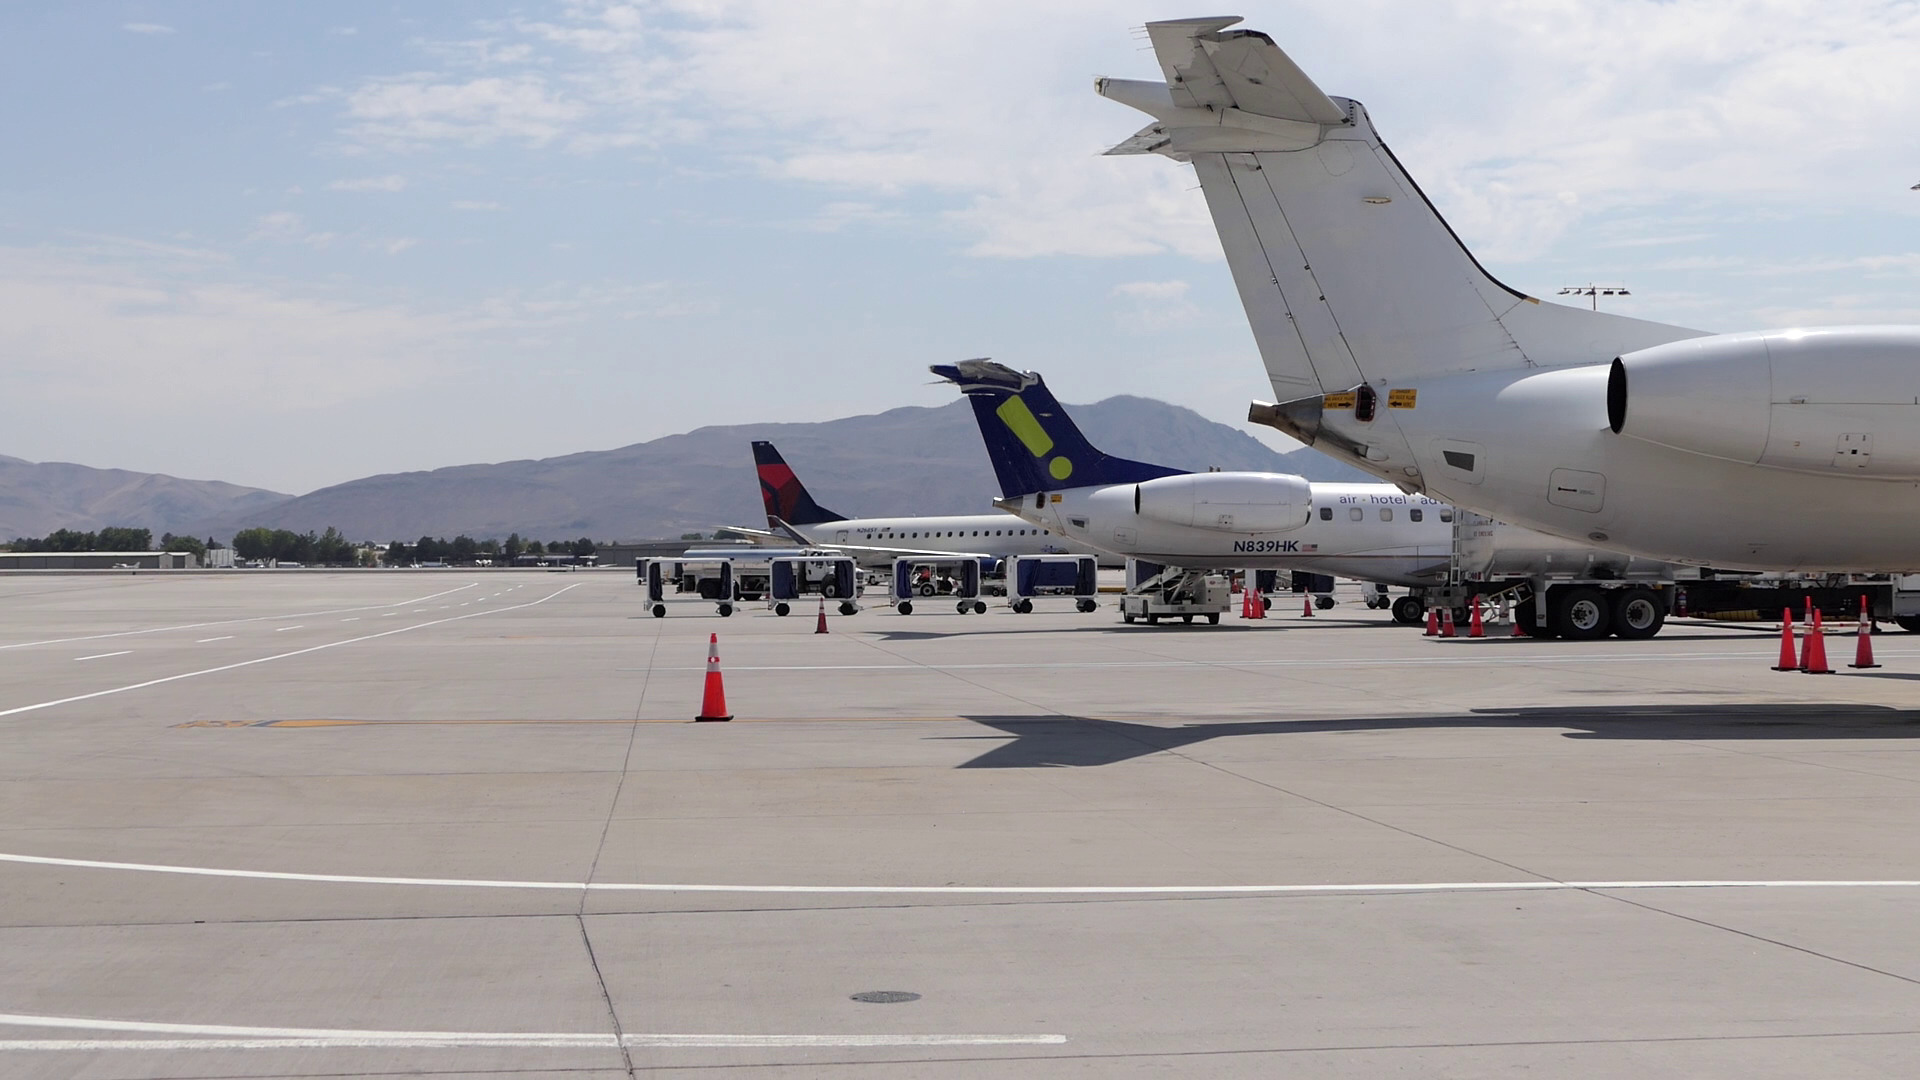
[[288, 245]]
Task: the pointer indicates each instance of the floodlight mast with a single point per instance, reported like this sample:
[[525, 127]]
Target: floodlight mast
[[1595, 292]]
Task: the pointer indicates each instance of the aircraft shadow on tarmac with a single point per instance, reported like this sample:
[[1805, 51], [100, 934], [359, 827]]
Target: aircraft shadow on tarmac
[[1081, 742]]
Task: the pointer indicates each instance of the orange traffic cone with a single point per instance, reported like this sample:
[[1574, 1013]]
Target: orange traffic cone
[[1787, 660], [1433, 623], [1863, 651], [1815, 654], [713, 704], [1517, 632], [1256, 604], [1446, 622], [821, 626], [1474, 627], [1306, 611]]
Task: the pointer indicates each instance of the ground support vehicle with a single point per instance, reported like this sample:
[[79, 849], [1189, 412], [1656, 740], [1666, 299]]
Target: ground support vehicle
[[793, 578], [928, 579], [668, 581], [1561, 589], [1031, 577], [1156, 592]]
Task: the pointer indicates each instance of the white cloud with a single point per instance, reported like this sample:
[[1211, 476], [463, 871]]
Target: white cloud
[[370, 183], [1155, 305], [150, 29], [476, 205], [285, 226], [415, 108]]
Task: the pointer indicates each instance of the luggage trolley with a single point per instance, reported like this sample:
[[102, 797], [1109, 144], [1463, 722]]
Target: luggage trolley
[[792, 577], [682, 580], [1030, 576], [928, 578]]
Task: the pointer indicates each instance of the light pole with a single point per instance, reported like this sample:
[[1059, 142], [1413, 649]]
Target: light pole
[[1595, 291]]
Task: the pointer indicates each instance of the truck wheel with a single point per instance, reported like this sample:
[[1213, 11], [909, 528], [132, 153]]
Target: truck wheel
[[829, 590], [847, 608], [781, 609], [1580, 613], [1409, 611], [1638, 614], [979, 607], [904, 607], [659, 611], [926, 588], [1187, 619], [1153, 620], [1213, 619], [1909, 623], [1126, 617]]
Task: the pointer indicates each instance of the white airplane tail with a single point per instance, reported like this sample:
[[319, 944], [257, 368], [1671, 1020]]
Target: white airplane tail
[[1348, 274]]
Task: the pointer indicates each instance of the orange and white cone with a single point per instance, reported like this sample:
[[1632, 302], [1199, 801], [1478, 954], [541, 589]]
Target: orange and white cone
[[1863, 650], [1814, 657], [713, 703], [1433, 623], [1788, 662], [1446, 622], [821, 626], [1306, 611], [1475, 628]]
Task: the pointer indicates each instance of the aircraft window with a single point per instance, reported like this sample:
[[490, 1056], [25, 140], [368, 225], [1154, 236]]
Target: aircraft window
[[1326, 513], [1386, 513], [1415, 514], [1446, 515], [1354, 513]]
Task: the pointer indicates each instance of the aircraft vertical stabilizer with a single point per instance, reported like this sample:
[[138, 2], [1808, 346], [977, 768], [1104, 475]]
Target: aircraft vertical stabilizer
[[1347, 272], [1034, 444], [781, 492]]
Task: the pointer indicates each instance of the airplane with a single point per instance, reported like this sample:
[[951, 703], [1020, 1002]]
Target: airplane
[[1390, 346], [876, 542], [1052, 476]]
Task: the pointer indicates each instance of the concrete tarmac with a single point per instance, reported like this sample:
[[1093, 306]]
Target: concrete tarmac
[[460, 823]]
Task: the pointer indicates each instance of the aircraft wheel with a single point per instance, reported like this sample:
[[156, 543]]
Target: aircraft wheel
[[726, 610], [1638, 614], [659, 611], [847, 608], [1213, 619], [1580, 613], [979, 607], [904, 607], [781, 609], [1409, 611]]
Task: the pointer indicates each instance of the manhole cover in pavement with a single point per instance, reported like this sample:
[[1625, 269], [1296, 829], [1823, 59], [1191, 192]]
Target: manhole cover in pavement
[[886, 997]]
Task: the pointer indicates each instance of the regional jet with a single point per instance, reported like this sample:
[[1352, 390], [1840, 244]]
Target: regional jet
[[1391, 347]]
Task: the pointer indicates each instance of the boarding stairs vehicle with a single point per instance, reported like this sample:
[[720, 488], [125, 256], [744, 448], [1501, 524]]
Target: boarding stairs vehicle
[[1156, 592]]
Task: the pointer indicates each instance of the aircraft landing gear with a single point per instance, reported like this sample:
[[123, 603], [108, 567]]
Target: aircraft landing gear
[[1409, 611]]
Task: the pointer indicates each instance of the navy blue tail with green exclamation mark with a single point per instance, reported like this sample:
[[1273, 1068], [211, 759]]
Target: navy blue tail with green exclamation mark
[[1032, 442]]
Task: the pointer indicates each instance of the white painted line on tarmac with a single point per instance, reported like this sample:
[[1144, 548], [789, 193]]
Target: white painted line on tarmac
[[389, 614], [1346, 662], [104, 655], [970, 890], [284, 629], [228, 1037], [356, 618], [223, 637], [278, 656], [226, 622]]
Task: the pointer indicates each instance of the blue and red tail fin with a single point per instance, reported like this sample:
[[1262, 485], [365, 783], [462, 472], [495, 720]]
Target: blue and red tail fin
[[784, 496], [1033, 443]]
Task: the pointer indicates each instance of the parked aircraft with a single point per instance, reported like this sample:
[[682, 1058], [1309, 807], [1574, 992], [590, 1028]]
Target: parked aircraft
[[1051, 476], [877, 542], [1390, 346]]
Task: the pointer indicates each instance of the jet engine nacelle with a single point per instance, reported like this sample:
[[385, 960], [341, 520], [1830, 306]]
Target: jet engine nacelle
[[1843, 400], [1230, 501]]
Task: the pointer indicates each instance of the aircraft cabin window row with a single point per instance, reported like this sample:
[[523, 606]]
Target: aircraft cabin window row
[[976, 532]]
